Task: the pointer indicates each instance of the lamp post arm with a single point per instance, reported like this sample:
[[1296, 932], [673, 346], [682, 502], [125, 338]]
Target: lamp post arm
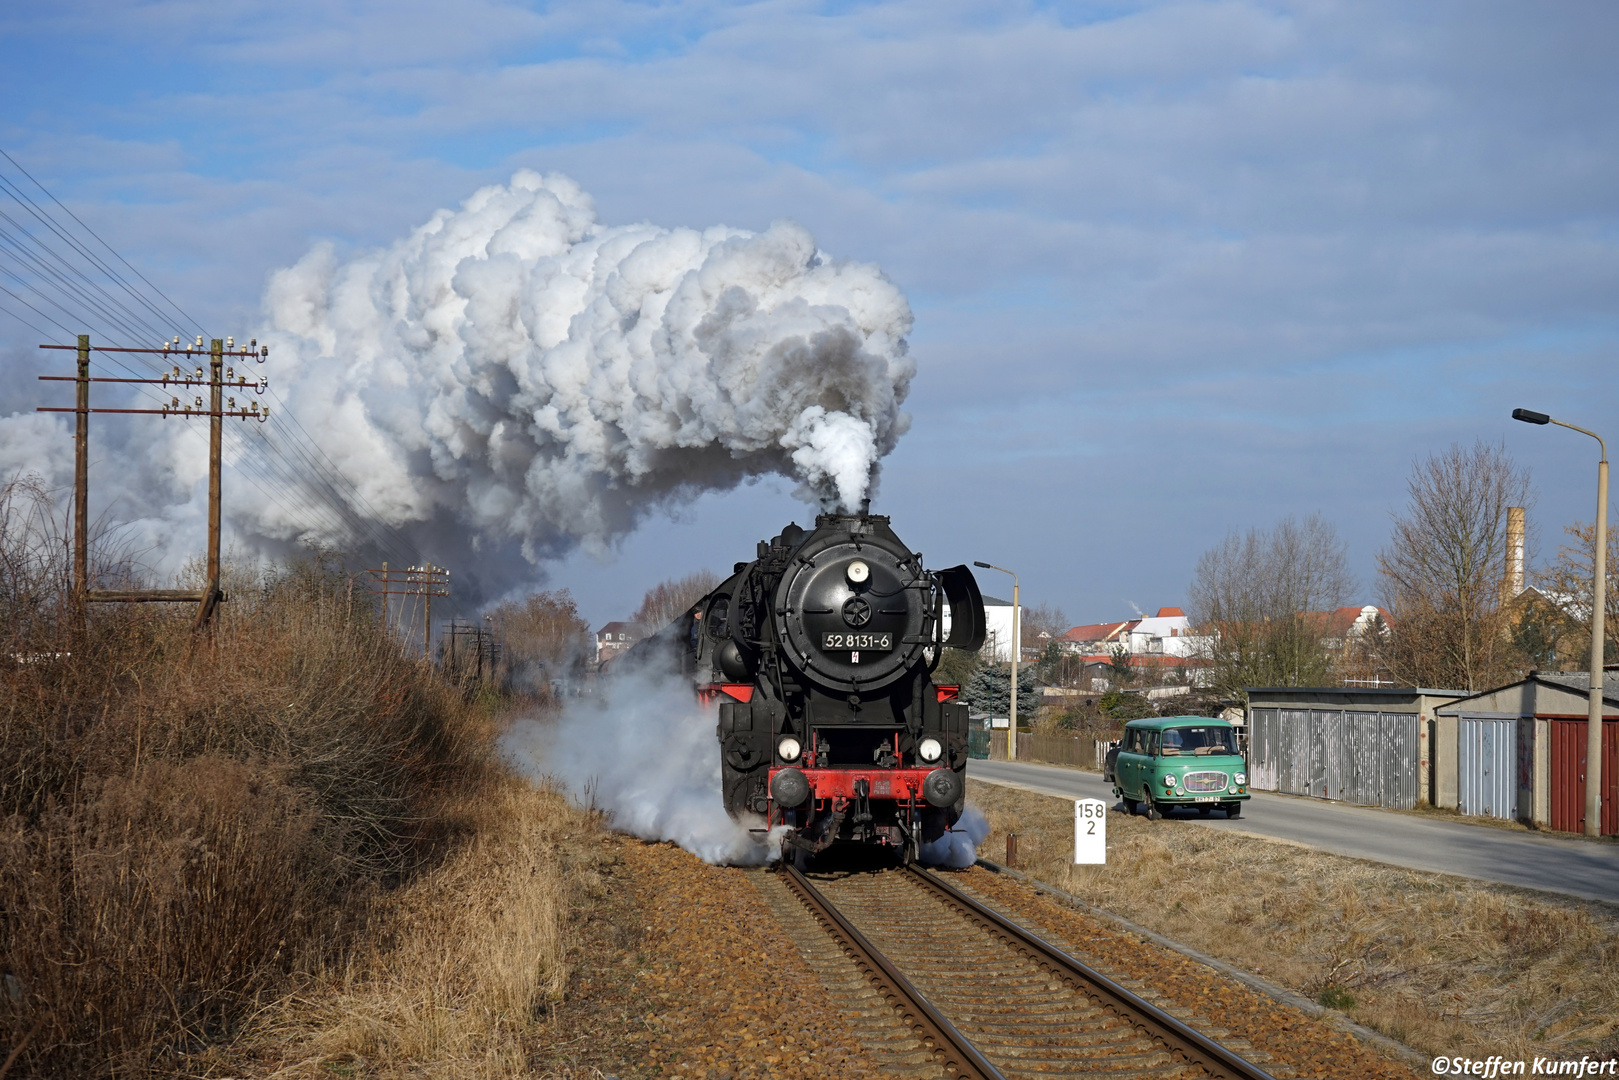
[[1583, 431]]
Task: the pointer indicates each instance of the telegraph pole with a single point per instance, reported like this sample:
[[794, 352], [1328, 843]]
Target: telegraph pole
[[216, 433], [81, 482], [426, 581], [208, 598]]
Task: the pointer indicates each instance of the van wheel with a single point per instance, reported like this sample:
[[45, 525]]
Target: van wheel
[[1233, 810], [1130, 806], [1150, 808]]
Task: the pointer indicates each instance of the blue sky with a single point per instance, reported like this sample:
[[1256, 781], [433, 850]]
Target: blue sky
[[1176, 268]]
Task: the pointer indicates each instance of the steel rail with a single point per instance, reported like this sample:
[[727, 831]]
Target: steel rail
[[1181, 1040], [949, 1047]]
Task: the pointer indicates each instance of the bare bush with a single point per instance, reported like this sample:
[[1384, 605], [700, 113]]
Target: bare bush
[[1256, 598], [1444, 570]]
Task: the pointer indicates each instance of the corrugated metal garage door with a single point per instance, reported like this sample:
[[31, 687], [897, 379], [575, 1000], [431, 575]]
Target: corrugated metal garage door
[[1358, 757], [1568, 776], [1487, 763], [1262, 749]]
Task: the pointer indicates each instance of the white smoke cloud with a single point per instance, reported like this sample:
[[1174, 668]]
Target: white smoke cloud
[[534, 376], [514, 378], [958, 848], [644, 749]]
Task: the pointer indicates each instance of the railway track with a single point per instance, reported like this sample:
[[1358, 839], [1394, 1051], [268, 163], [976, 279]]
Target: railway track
[[985, 998]]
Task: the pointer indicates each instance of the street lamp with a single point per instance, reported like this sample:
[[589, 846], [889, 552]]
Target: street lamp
[[1017, 647], [1593, 732]]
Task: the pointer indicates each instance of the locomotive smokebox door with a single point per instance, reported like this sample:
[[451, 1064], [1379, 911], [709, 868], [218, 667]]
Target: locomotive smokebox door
[[851, 611]]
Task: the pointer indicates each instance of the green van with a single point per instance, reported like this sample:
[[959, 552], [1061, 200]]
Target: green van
[[1180, 761]]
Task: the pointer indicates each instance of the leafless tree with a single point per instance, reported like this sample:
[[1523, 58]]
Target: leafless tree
[[1443, 571], [544, 637], [1045, 619], [668, 600], [1568, 581], [1256, 601]]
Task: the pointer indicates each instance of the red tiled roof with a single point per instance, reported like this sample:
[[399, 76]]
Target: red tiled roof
[[1170, 613], [1336, 623], [1097, 631]]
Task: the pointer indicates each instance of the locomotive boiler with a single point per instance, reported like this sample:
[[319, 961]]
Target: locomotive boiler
[[820, 654]]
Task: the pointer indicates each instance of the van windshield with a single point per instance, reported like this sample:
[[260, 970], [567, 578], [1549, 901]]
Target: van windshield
[[1199, 741]]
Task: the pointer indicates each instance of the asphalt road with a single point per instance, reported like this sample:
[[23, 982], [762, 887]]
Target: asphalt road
[[1583, 868]]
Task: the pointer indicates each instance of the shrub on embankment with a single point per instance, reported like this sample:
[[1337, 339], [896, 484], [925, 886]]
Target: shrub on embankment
[[188, 821]]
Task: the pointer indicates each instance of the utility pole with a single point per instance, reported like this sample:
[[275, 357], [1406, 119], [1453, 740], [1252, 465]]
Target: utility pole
[[209, 597], [216, 421], [81, 484], [426, 581]]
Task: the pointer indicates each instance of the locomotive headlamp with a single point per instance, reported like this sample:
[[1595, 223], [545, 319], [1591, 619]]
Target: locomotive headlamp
[[929, 749], [859, 572], [1241, 778], [788, 749]]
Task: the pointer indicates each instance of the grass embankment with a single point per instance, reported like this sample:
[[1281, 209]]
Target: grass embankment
[[278, 837], [1442, 964]]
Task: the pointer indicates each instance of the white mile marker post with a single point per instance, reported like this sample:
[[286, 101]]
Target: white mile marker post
[[1090, 832]]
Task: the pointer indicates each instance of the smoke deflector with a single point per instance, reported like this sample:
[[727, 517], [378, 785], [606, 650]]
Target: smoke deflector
[[967, 629]]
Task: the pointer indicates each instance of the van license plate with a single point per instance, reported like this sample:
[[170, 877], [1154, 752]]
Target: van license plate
[[1208, 798]]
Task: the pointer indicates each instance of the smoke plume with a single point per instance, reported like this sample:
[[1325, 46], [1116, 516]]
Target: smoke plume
[[643, 750], [514, 379], [520, 370]]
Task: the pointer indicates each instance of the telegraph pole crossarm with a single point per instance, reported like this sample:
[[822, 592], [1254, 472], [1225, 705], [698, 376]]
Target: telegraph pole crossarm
[[217, 379]]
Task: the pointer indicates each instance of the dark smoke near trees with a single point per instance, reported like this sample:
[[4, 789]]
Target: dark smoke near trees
[[1252, 600], [1445, 569]]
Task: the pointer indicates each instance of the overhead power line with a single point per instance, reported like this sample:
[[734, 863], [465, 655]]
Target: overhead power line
[[56, 271]]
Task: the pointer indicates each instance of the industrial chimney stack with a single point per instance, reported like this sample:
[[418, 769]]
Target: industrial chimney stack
[[1514, 583]]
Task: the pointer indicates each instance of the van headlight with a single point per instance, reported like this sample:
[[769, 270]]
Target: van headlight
[[788, 749], [1169, 781], [1241, 778], [929, 749]]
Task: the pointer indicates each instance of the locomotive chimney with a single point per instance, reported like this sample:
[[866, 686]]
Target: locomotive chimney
[[865, 507]]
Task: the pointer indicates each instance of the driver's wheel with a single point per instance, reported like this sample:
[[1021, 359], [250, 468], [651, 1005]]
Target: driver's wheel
[[1149, 807], [1233, 810]]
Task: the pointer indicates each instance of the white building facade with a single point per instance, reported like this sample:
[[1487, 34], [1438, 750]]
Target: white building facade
[[998, 635]]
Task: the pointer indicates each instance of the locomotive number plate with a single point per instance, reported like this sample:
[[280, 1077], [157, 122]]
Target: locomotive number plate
[[876, 642]]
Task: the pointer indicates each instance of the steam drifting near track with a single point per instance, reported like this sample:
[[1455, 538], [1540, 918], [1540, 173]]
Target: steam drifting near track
[[522, 371]]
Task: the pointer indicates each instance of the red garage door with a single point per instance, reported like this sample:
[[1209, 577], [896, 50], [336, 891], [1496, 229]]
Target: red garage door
[[1568, 776]]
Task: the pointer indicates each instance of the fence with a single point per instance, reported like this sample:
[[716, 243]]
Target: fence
[[1072, 750]]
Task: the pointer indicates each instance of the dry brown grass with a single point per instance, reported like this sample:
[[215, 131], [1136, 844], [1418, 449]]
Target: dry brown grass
[[458, 977], [1443, 964], [189, 822]]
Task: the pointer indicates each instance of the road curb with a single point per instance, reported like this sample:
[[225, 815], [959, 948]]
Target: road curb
[[1280, 994]]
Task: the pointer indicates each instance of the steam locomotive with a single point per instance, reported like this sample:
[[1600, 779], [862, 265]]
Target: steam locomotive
[[820, 653]]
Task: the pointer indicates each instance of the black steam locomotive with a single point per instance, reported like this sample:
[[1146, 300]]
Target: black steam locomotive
[[820, 653]]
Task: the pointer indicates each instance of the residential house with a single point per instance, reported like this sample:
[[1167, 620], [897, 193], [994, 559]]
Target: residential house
[[614, 638], [999, 629]]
